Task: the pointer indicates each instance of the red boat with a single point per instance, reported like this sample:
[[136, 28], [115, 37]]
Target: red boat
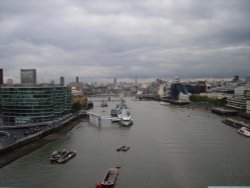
[[109, 178]]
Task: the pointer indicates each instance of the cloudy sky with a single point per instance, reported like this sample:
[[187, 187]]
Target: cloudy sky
[[125, 38]]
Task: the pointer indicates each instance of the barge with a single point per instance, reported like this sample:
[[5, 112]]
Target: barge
[[235, 123]]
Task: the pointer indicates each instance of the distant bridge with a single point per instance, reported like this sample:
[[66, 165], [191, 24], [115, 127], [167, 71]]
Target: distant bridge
[[147, 97]]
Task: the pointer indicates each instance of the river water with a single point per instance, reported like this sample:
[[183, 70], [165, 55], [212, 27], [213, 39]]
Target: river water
[[171, 147]]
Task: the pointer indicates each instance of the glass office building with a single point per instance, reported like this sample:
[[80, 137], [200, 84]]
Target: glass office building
[[31, 104]]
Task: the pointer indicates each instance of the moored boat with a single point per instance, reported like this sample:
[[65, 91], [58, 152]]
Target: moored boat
[[109, 178], [123, 113], [244, 131], [235, 123], [67, 156]]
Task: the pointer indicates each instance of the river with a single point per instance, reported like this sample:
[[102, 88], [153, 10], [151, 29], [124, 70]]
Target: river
[[171, 147]]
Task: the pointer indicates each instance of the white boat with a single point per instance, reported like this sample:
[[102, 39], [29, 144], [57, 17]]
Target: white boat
[[244, 131], [164, 103]]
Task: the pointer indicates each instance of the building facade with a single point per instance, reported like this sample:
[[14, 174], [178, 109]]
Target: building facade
[[239, 99], [31, 104], [1, 76]]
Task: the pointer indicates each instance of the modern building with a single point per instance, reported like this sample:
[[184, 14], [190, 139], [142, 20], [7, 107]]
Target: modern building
[[62, 81], [31, 104], [1, 76], [239, 99], [28, 76]]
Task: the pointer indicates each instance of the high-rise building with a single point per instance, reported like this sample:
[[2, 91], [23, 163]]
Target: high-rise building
[[28, 76], [77, 79], [115, 80], [62, 81], [1, 76]]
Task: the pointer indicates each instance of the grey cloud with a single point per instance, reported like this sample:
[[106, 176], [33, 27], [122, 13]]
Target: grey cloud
[[151, 38]]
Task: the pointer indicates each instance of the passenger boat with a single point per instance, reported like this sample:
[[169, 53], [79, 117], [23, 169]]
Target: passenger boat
[[123, 148], [235, 123], [109, 178], [67, 156], [244, 131]]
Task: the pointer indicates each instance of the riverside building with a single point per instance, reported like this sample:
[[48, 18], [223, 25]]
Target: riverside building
[[21, 104]]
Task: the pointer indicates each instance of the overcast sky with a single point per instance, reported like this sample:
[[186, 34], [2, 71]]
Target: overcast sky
[[125, 38]]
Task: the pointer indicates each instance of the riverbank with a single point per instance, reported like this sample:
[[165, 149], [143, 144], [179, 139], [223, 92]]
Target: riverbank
[[26, 146]]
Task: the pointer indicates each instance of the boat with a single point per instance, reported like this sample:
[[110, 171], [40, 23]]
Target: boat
[[124, 114], [110, 177], [164, 103], [66, 156], [235, 123], [123, 148], [55, 155], [125, 117], [113, 113], [244, 131], [104, 104]]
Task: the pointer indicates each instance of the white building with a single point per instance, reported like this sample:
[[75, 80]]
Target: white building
[[239, 99]]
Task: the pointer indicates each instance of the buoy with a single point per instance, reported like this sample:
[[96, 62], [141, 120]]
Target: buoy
[[98, 185]]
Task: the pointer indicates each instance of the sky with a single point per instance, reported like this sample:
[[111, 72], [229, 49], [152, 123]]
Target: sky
[[96, 39]]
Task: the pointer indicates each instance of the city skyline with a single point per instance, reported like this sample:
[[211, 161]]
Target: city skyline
[[124, 39]]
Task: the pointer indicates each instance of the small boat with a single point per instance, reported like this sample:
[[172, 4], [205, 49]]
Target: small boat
[[113, 113], [164, 103], [66, 156], [244, 131], [109, 178], [104, 104], [123, 148], [55, 155]]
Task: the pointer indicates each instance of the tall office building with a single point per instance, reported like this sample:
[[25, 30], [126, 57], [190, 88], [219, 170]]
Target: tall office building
[[1, 76], [28, 76], [115, 80], [77, 79], [62, 81]]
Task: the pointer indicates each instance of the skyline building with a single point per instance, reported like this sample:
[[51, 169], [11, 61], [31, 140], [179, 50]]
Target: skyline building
[[62, 81], [1, 76], [28, 76]]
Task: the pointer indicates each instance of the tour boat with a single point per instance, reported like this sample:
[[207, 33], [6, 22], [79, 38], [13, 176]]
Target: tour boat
[[244, 131], [235, 123]]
